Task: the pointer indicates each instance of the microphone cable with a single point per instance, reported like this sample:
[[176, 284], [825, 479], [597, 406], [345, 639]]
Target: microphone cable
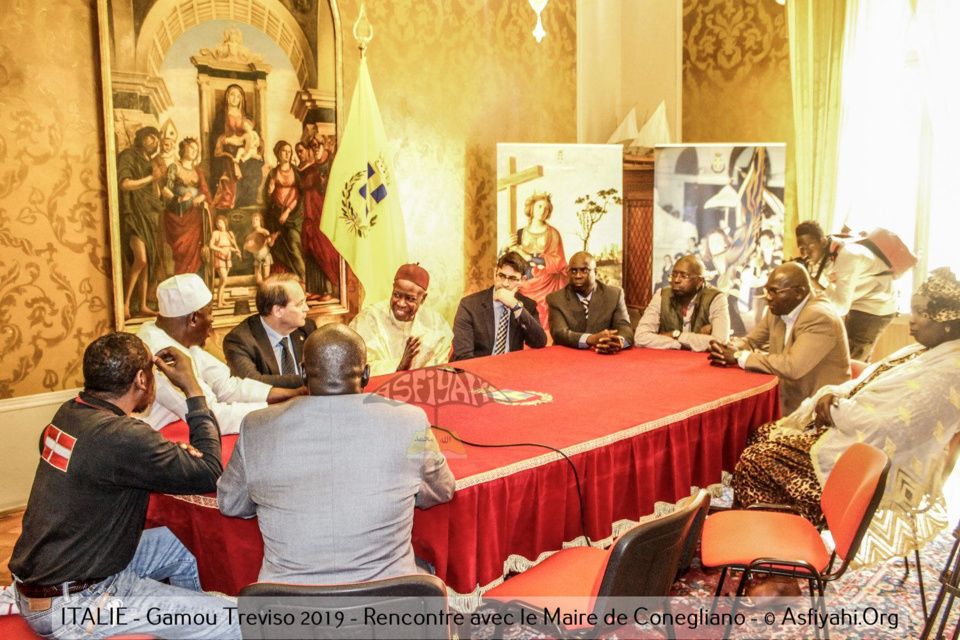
[[576, 476]]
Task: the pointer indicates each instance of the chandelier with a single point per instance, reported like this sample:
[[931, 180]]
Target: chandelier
[[538, 6]]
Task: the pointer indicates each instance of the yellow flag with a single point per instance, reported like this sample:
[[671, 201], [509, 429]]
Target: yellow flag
[[361, 213]]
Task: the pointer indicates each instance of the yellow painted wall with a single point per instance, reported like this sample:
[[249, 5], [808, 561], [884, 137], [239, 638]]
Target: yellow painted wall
[[453, 78]]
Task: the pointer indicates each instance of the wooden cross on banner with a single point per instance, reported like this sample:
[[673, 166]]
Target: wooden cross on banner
[[511, 180]]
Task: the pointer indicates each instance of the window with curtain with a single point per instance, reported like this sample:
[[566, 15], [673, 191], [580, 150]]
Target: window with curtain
[[900, 128]]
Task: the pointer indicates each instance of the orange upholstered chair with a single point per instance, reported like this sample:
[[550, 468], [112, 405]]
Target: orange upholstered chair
[[786, 544], [857, 367], [415, 602], [643, 562]]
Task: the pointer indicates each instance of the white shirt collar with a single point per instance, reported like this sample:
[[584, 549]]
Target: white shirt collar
[[791, 318], [272, 336]]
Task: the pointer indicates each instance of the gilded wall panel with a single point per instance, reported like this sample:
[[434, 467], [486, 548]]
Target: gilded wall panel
[[54, 256], [453, 78], [736, 71]]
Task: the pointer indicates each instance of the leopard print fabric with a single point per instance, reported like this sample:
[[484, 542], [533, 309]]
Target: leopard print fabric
[[941, 293], [779, 471]]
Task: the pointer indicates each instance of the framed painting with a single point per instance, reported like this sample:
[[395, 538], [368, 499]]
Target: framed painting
[[222, 118], [723, 203], [554, 200]]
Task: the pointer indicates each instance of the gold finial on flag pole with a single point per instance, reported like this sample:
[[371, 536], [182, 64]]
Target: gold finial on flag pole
[[362, 23]]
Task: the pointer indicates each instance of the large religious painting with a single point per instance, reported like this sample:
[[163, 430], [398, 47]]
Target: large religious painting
[[222, 121], [554, 200], [723, 203]]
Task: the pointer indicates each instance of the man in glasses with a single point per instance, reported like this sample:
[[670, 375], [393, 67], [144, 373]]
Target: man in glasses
[[588, 314], [800, 339], [688, 314], [500, 319], [400, 333], [334, 477]]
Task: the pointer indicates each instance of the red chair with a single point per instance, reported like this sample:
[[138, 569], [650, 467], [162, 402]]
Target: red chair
[[643, 562], [786, 544], [857, 367]]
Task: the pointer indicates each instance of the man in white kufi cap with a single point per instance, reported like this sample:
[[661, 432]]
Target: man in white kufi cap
[[185, 322]]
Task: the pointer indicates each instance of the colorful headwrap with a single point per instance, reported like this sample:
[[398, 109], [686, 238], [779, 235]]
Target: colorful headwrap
[[942, 292]]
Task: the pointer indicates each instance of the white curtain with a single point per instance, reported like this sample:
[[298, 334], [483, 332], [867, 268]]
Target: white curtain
[[899, 127], [938, 52]]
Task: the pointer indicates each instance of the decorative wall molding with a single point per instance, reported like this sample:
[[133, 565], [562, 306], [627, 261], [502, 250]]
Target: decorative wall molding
[[52, 398]]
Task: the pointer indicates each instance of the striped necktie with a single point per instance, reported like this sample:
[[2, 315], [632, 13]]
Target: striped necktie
[[586, 307], [500, 344], [286, 358]]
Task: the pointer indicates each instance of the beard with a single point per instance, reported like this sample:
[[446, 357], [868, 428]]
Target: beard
[[147, 401]]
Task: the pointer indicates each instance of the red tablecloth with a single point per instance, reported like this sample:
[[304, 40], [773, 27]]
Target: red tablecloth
[[642, 426]]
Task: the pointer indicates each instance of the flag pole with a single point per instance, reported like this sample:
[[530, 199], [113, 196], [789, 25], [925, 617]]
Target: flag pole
[[363, 24]]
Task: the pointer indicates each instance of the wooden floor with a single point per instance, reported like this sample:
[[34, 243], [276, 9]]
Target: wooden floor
[[9, 532]]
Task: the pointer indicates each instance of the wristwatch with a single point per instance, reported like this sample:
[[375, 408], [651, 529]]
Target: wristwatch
[[518, 307], [676, 334]]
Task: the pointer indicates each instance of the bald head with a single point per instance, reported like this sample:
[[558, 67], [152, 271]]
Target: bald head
[[582, 273], [686, 279], [691, 265], [334, 358], [793, 275], [786, 288]]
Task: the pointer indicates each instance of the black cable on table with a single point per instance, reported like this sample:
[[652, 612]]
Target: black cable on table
[[576, 476]]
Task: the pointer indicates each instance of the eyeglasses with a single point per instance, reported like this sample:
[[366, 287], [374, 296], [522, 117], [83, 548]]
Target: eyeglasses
[[774, 291], [575, 270], [511, 279], [680, 275]]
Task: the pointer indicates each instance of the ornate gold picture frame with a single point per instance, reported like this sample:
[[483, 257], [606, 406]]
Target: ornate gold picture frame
[[222, 118]]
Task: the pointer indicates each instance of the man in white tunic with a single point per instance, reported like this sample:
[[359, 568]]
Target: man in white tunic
[[185, 322], [400, 335]]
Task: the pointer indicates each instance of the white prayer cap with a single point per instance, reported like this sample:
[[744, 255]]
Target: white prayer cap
[[182, 295]]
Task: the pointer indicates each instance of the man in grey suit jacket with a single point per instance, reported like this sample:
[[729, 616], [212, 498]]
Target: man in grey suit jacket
[[800, 339], [333, 477], [500, 319], [255, 347], [587, 313]]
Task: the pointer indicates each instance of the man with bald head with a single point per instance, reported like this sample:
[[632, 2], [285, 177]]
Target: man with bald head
[[333, 477], [588, 314], [686, 315], [800, 339]]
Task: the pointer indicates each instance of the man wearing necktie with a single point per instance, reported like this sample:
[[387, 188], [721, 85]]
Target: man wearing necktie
[[499, 319], [268, 346], [587, 314]]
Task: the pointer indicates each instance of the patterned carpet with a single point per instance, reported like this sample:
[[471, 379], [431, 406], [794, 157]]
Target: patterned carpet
[[870, 603]]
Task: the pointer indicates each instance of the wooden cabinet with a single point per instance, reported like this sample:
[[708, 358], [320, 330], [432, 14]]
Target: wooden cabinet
[[637, 231]]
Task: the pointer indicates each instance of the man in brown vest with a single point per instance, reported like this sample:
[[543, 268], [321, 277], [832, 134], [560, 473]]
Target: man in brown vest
[[686, 315]]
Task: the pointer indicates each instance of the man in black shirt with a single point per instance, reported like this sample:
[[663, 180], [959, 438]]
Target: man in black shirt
[[84, 566]]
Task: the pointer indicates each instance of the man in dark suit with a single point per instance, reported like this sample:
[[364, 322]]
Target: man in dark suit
[[589, 314], [268, 346], [499, 319]]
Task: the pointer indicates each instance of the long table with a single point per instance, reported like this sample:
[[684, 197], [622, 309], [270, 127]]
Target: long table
[[640, 427]]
